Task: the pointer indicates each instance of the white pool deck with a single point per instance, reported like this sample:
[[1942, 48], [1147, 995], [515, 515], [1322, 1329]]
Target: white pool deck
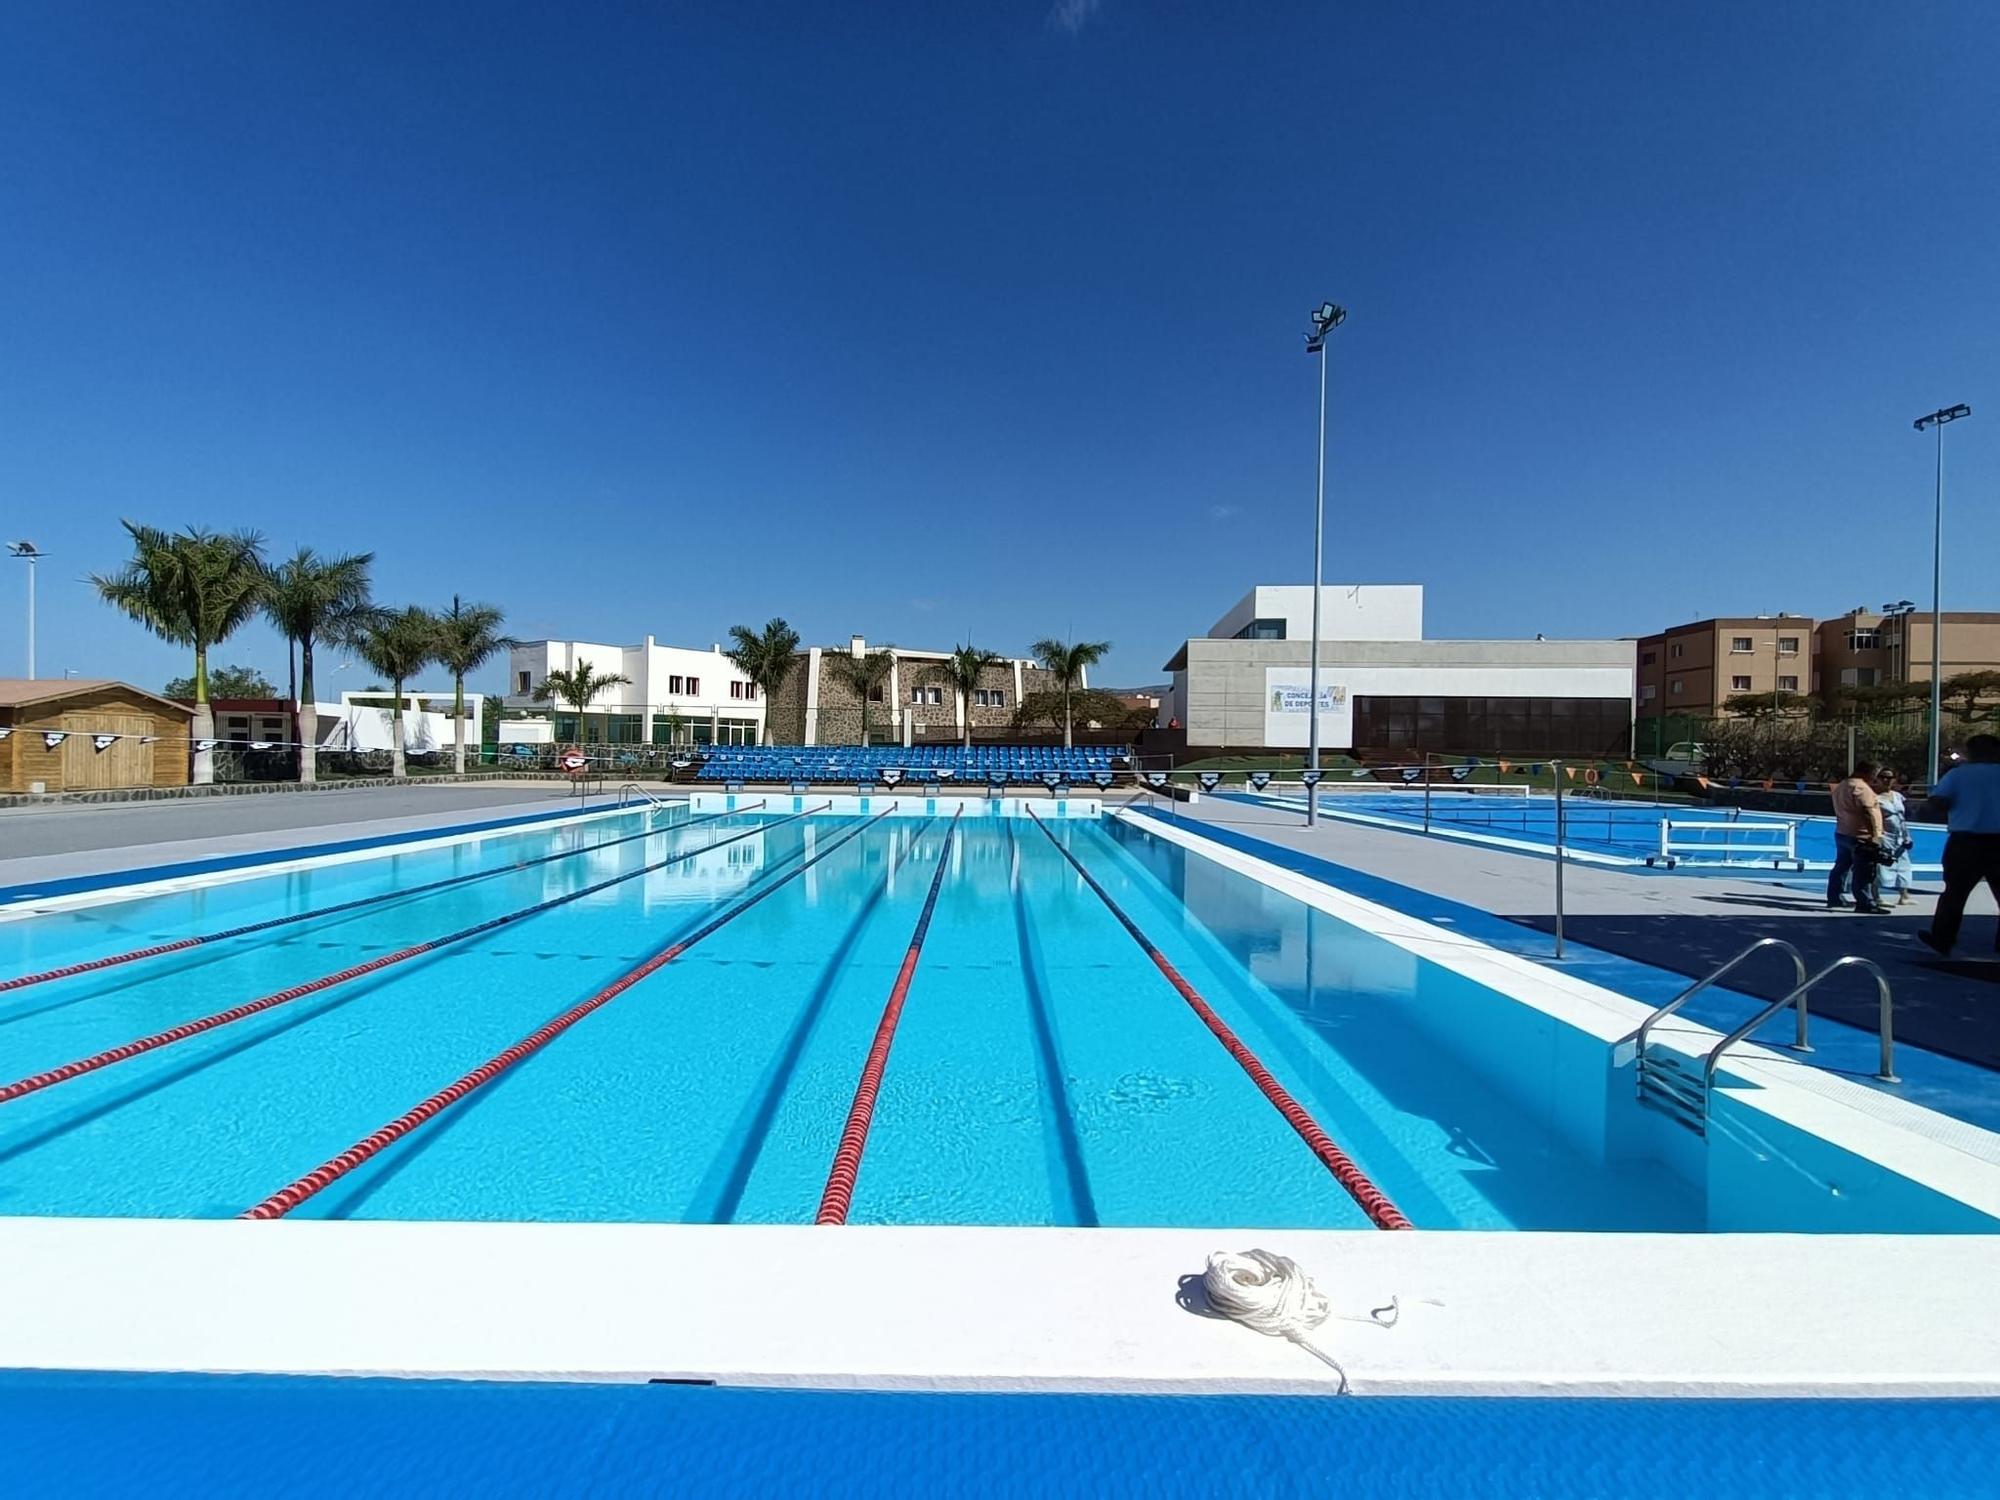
[[1053, 1309]]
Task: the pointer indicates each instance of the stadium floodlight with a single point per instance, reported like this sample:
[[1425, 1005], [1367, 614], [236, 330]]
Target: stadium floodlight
[[1939, 419], [30, 554], [1327, 317]]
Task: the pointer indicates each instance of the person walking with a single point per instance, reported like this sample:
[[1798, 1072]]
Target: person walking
[[1969, 794], [1857, 840], [1897, 873]]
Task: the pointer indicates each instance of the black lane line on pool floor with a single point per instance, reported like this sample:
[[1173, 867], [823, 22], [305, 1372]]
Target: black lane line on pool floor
[[719, 1205], [303, 1189], [1048, 1052], [364, 1185]]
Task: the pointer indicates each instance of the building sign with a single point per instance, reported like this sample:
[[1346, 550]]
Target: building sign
[[1286, 699]]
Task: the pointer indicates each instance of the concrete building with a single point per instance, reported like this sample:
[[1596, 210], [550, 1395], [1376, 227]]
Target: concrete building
[[1384, 689], [1865, 647], [915, 704], [1692, 669], [1687, 673], [676, 695]]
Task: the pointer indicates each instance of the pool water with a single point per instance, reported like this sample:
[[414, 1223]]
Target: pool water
[[1703, 836], [1044, 1071]]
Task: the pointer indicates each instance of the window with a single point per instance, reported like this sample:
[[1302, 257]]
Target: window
[[1739, 684], [1674, 689], [1738, 644], [1674, 651], [736, 690], [523, 681], [744, 691], [875, 693], [1788, 684], [1868, 639], [1788, 645], [1647, 658], [989, 698], [1857, 677], [673, 684], [1262, 630], [1648, 693], [921, 694], [694, 687]]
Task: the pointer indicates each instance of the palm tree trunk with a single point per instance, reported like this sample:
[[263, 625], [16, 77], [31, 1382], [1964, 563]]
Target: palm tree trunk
[[398, 767], [308, 738], [1069, 727], [458, 718], [204, 721]]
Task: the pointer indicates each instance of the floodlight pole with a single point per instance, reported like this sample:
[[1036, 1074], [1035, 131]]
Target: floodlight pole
[[29, 553], [1325, 319], [1938, 419]]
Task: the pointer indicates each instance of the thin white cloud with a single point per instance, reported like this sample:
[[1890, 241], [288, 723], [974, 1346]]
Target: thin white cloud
[[1224, 512], [923, 606], [1073, 15]]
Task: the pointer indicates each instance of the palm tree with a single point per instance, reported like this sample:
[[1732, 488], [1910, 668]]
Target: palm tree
[[963, 669], [1067, 664], [311, 598], [576, 686], [398, 643], [765, 658], [468, 637], [193, 588], [865, 673]]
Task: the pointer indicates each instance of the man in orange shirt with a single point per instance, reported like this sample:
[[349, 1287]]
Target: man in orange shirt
[[1857, 840]]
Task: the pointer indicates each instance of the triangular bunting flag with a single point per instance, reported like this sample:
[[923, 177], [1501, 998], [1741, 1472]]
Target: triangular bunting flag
[[202, 746], [4, 733], [1505, 768], [102, 742], [1570, 772], [53, 737], [1637, 779], [266, 744]]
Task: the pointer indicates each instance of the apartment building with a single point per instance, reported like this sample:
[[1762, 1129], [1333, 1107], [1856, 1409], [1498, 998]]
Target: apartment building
[[1693, 669], [674, 695], [1865, 648]]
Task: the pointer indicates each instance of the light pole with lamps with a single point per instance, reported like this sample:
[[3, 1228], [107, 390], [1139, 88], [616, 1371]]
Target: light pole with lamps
[[29, 553], [1938, 419], [1325, 318]]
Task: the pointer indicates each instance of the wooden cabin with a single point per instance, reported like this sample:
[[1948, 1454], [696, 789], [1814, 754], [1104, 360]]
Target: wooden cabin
[[106, 736]]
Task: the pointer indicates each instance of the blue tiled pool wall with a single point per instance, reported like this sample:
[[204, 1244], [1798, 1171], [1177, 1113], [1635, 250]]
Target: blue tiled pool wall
[[1752, 1172]]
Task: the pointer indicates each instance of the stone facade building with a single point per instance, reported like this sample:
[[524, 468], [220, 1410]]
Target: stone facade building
[[916, 704]]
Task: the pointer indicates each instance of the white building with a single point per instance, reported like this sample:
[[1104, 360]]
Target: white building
[[676, 696], [1385, 689], [366, 721]]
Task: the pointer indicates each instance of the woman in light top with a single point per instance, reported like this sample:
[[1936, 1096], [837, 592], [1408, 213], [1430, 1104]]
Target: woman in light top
[[1896, 871]]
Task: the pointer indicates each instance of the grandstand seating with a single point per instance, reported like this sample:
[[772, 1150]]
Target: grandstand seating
[[919, 765]]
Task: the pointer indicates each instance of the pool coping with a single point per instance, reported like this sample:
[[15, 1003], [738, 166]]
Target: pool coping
[[943, 1309], [34, 898]]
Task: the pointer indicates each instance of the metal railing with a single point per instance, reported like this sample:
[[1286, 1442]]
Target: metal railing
[[1886, 1070], [1798, 995], [638, 791]]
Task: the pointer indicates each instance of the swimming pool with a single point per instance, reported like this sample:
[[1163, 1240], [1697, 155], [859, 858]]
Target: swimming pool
[[1605, 830], [1045, 1072]]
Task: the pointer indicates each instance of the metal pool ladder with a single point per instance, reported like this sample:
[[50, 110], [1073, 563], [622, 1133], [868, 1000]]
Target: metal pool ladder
[[639, 791], [1665, 1082]]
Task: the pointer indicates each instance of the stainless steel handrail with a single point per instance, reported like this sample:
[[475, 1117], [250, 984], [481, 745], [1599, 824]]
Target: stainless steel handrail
[[633, 786], [1886, 1073], [1798, 963]]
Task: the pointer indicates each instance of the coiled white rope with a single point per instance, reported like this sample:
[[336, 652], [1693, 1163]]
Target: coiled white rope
[[1271, 1294]]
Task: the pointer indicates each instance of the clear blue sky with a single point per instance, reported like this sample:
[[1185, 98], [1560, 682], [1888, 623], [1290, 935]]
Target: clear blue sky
[[920, 320]]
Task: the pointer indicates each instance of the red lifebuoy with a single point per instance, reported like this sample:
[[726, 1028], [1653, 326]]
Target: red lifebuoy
[[1590, 775], [572, 761]]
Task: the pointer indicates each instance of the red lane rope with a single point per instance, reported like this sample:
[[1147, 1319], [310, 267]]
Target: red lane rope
[[291, 1196], [1374, 1202], [36, 1082], [838, 1196], [181, 945]]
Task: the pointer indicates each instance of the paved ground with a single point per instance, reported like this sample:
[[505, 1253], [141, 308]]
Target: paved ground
[[1685, 923], [80, 838]]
